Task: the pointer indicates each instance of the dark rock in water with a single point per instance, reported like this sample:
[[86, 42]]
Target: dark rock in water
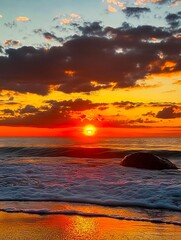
[[147, 161]]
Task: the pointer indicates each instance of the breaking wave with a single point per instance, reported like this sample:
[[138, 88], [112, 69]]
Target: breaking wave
[[84, 214], [80, 152]]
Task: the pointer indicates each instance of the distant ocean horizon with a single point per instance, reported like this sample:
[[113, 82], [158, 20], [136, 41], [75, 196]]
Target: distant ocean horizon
[[124, 143], [61, 171]]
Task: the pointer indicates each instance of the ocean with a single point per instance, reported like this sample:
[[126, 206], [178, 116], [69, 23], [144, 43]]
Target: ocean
[[66, 176]]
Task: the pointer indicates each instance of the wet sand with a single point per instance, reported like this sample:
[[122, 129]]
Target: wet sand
[[60, 227]]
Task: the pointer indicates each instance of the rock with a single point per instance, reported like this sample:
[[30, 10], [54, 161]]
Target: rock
[[146, 161]]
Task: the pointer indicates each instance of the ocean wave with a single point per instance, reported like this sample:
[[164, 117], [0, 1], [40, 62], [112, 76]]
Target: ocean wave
[[110, 203], [87, 175], [80, 152], [84, 214]]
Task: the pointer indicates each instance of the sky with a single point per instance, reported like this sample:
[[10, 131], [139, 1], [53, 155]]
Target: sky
[[68, 63]]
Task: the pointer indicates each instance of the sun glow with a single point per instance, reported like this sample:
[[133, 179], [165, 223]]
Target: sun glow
[[89, 130]]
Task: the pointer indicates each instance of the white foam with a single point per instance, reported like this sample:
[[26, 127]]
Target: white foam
[[85, 214], [102, 182]]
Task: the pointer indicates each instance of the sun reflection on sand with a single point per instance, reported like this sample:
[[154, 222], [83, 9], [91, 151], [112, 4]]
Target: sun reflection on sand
[[61, 227], [83, 229]]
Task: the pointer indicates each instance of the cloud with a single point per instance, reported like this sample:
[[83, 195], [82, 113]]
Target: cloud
[[142, 2], [22, 19], [174, 19], [111, 9], [11, 98], [54, 114], [127, 104], [66, 21], [94, 29], [75, 15], [178, 82], [163, 104], [149, 114], [51, 36], [1, 16], [28, 109], [12, 43], [69, 18], [135, 11], [169, 112], [50, 118], [116, 3], [8, 112], [140, 120], [100, 58], [76, 105]]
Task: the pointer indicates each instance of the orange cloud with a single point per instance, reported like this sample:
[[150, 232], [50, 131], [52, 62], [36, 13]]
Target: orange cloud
[[22, 19], [111, 9], [169, 65], [178, 82], [141, 2], [75, 15], [66, 21], [116, 3], [69, 72], [11, 43], [72, 18], [178, 35]]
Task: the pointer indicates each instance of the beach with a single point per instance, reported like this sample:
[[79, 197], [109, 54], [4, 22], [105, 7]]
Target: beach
[[56, 227], [67, 221]]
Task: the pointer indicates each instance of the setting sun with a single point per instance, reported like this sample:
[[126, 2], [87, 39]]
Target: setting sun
[[89, 130]]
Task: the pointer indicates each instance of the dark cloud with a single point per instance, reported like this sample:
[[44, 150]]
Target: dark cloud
[[169, 112], [128, 105], [8, 101], [163, 104], [135, 11], [165, 1], [76, 105], [48, 35], [56, 114], [51, 36], [8, 112], [94, 28], [135, 35], [174, 19], [11, 103], [50, 118], [141, 120], [149, 114], [11, 98], [28, 109], [95, 60]]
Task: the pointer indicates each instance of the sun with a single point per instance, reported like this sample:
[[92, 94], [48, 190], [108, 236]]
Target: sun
[[89, 130]]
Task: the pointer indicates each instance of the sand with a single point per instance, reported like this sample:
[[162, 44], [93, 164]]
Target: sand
[[55, 227]]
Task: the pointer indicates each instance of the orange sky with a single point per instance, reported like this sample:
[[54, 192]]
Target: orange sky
[[116, 66]]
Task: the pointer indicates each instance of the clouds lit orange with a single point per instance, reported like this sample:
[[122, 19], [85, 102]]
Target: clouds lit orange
[[22, 19], [115, 66]]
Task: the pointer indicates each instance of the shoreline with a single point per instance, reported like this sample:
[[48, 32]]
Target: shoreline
[[24, 226]]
